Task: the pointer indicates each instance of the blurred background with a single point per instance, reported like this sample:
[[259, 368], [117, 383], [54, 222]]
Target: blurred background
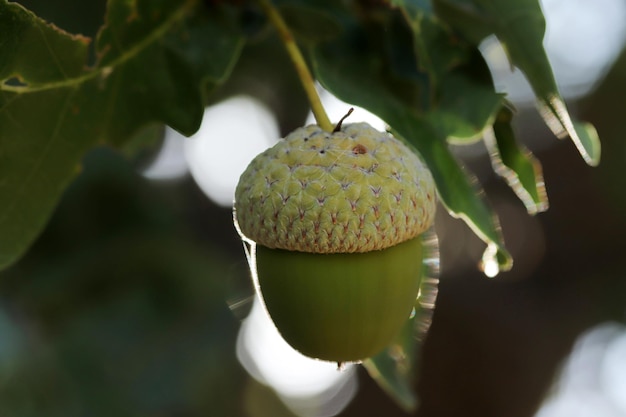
[[136, 299]]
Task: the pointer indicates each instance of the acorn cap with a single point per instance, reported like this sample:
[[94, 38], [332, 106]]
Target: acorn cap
[[354, 190]]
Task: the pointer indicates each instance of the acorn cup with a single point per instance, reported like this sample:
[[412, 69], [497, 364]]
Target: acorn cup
[[337, 219]]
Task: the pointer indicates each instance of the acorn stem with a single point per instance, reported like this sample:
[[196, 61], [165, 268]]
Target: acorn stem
[[338, 126], [299, 63]]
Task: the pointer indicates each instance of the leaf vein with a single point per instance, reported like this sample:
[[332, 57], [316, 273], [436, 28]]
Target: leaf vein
[[154, 36], [39, 161], [54, 56]]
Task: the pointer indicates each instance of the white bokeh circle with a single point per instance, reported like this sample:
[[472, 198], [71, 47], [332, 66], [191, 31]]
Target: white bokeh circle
[[233, 132]]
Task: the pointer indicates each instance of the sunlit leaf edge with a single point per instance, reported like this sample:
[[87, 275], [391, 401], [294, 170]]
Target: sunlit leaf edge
[[516, 164], [396, 368]]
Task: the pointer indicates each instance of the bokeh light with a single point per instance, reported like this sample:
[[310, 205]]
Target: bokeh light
[[233, 132], [310, 388], [593, 379], [582, 41], [170, 162], [580, 28]]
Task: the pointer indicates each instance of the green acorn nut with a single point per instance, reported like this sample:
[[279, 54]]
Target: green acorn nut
[[337, 219]]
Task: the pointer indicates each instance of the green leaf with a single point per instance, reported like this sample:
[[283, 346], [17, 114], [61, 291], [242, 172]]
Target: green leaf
[[126, 315], [520, 26], [352, 69], [395, 368], [211, 43], [463, 100], [589, 141], [310, 24], [516, 164], [457, 188], [32, 50], [138, 79], [436, 49], [462, 118]]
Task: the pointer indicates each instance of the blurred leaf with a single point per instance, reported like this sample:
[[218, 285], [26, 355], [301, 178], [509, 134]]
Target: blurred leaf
[[351, 68], [262, 401], [516, 164], [396, 368], [145, 144], [437, 51], [38, 387], [158, 339], [310, 24], [463, 100], [520, 26], [11, 346], [125, 315], [138, 79], [211, 42]]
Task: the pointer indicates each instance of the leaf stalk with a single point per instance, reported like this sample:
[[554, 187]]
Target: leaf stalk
[[299, 63]]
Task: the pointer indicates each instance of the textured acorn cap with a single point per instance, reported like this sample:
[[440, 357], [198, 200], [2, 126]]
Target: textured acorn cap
[[355, 190]]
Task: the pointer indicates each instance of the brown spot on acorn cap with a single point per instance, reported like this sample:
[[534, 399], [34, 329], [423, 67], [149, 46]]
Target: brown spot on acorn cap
[[354, 190]]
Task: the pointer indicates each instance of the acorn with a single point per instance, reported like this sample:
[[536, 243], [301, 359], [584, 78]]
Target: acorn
[[336, 219]]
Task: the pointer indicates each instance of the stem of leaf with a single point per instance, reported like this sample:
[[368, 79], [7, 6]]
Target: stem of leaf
[[299, 63]]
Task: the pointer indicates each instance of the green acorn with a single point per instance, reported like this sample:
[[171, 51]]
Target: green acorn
[[337, 218]]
